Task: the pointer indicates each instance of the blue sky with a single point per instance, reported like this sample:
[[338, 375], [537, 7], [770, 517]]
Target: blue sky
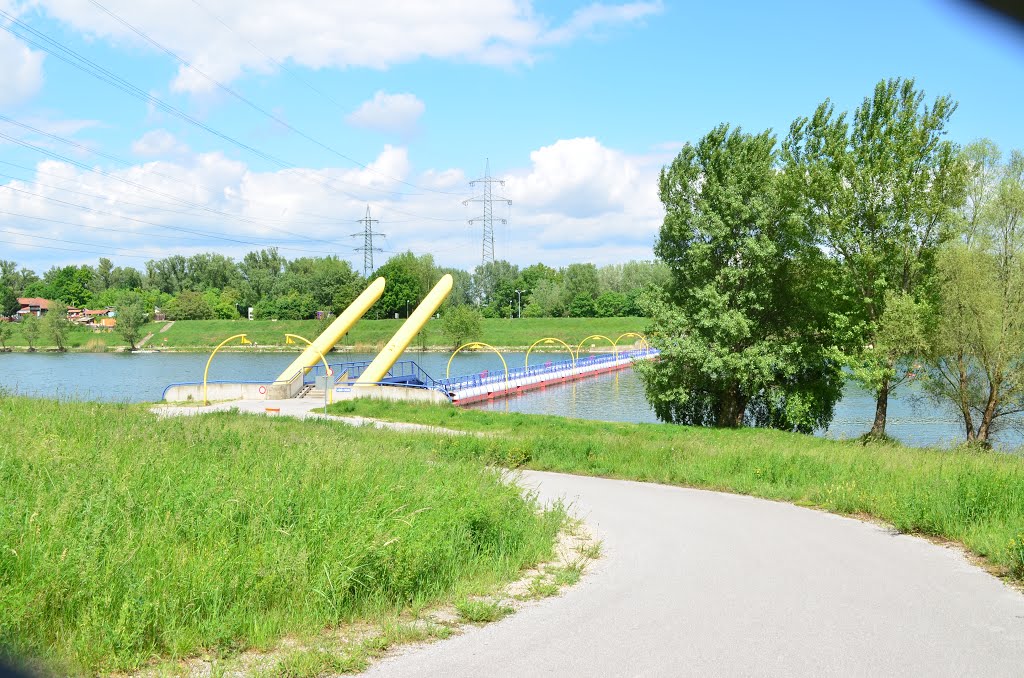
[[576, 104]]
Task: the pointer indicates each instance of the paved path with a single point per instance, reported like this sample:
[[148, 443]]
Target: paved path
[[705, 584], [298, 408]]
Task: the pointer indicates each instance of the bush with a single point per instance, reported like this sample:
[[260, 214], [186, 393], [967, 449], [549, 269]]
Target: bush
[[189, 306], [461, 324], [582, 306]]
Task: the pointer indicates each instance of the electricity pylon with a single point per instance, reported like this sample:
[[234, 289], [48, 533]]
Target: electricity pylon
[[487, 198], [368, 249]]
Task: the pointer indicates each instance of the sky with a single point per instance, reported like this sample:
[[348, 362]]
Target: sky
[[230, 125]]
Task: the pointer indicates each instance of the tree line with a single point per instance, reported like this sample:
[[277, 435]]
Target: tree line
[[211, 286], [864, 246]]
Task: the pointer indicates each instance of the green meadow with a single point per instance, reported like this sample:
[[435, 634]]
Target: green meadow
[[127, 538]]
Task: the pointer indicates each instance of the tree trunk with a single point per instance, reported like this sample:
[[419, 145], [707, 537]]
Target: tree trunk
[[881, 408], [990, 411], [965, 405], [731, 409]]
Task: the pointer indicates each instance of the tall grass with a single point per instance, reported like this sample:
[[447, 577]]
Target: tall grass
[[971, 497], [124, 537]]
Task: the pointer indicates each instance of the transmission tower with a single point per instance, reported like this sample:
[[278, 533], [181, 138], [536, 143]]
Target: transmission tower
[[368, 249], [487, 198]]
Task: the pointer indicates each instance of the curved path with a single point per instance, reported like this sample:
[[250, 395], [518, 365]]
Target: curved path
[[697, 583]]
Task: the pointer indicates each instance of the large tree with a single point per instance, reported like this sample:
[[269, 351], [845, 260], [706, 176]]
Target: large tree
[[745, 325], [57, 325], [131, 317], [977, 362], [879, 191]]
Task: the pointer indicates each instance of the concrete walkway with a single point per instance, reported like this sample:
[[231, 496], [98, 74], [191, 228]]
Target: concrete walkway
[[698, 583], [298, 408]]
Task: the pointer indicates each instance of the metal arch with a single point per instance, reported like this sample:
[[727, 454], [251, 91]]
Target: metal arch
[[206, 400], [550, 340], [327, 368], [597, 336], [448, 370], [643, 339]]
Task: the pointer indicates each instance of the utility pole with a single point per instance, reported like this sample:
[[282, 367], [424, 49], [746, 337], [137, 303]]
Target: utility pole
[[368, 249], [487, 198]]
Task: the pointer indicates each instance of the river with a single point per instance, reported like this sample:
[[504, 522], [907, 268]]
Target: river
[[618, 396]]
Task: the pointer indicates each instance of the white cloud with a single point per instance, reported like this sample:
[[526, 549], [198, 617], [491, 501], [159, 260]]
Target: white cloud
[[340, 33], [396, 113], [22, 70], [158, 142], [576, 200]]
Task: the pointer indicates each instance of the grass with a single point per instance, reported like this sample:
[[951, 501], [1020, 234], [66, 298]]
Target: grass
[[974, 498], [80, 339], [482, 611], [127, 539], [314, 662], [370, 334]]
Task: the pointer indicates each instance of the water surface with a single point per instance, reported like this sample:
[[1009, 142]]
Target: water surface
[[619, 396]]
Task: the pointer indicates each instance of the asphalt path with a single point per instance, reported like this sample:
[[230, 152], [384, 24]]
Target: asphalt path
[[696, 583]]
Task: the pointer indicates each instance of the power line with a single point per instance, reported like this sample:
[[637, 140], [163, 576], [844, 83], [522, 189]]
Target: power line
[[65, 249], [181, 229], [368, 249], [76, 60], [311, 87], [487, 218], [128, 182], [122, 252]]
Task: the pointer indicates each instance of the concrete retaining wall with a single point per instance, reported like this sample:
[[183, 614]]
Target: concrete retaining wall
[[224, 391], [347, 392]]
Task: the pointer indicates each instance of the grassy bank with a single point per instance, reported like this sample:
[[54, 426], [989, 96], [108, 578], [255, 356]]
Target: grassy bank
[[371, 334], [79, 339], [125, 538], [973, 498]]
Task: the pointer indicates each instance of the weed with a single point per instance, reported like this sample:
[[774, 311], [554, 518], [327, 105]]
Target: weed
[[313, 663], [482, 611], [542, 588], [591, 550]]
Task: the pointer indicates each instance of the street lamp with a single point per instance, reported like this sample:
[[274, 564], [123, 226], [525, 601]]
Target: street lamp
[[519, 294], [407, 308]]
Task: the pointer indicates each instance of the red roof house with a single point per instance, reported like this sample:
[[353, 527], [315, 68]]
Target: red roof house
[[36, 306]]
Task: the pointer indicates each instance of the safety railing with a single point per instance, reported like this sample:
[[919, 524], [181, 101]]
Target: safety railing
[[403, 372], [564, 367]]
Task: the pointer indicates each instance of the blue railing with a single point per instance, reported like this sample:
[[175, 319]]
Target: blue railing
[[487, 377], [403, 372]]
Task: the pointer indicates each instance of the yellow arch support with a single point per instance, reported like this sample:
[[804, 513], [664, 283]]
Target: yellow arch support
[[596, 336], [376, 370], [550, 340], [288, 339], [337, 329], [642, 338], [206, 401], [472, 344]]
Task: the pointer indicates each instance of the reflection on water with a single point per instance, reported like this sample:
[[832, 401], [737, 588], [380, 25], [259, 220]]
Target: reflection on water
[[617, 396]]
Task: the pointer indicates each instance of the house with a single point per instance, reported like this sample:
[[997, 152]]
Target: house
[[103, 317], [36, 306]]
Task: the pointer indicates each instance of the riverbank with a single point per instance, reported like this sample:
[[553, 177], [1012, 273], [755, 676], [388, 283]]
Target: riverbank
[[127, 538], [368, 335], [975, 499]]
